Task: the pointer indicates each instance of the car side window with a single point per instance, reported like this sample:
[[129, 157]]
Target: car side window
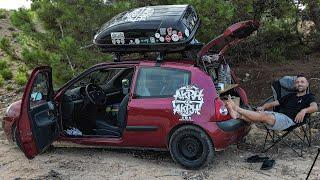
[[39, 91], [160, 82]]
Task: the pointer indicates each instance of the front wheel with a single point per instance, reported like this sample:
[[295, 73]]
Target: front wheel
[[191, 147]]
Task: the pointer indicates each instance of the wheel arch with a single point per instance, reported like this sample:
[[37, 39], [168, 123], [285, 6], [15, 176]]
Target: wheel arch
[[187, 124]]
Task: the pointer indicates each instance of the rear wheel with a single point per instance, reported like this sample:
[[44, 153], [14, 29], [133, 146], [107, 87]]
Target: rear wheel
[[191, 147]]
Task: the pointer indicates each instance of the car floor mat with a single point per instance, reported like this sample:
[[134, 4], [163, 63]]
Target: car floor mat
[[267, 164], [256, 159]]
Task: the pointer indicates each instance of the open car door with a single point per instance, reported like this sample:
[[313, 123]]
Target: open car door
[[37, 125], [231, 36]]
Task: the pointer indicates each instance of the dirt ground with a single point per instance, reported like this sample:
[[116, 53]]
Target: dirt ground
[[69, 161]]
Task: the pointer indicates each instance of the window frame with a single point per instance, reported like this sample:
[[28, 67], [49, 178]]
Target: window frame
[[135, 96], [46, 98]]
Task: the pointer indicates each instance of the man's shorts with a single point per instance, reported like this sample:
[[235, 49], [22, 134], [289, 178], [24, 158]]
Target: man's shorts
[[282, 121]]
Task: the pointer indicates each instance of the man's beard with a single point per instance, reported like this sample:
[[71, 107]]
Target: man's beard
[[300, 89]]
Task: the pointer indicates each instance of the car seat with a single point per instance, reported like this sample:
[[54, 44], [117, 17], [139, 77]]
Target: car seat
[[104, 128]]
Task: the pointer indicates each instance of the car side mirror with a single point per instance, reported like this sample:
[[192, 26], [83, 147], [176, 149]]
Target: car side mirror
[[125, 86]]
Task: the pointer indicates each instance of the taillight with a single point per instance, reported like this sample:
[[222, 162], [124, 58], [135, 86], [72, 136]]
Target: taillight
[[221, 111]]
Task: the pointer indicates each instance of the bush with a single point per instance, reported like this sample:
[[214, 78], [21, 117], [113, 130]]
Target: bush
[[22, 69], [3, 65], [1, 81], [9, 87], [7, 48], [22, 20], [6, 73], [3, 14], [21, 78]]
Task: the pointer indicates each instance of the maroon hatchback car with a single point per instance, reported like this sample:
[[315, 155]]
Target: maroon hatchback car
[[161, 103]]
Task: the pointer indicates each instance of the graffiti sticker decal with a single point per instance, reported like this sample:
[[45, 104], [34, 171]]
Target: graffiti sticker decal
[[188, 100]]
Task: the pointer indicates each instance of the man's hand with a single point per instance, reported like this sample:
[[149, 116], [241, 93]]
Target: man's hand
[[300, 116], [260, 108]]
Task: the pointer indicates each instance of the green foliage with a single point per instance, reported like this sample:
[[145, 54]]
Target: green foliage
[[5, 45], [7, 48], [68, 26], [22, 20], [3, 64], [23, 69], [1, 81], [9, 87], [3, 14], [21, 78], [6, 73]]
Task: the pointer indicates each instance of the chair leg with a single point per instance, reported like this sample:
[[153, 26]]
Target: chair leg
[[277, 140], [310, 133]]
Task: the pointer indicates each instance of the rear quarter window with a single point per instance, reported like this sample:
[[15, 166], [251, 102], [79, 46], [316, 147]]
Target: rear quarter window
[[160, 82]]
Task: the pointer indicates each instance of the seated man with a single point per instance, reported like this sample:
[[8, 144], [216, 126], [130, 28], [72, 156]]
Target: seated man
[[293, 108]]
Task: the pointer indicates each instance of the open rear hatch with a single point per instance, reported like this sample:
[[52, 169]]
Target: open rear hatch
[[210, 58], [231, 36]]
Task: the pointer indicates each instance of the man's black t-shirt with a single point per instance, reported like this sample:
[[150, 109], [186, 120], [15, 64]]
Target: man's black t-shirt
[[292, 104]]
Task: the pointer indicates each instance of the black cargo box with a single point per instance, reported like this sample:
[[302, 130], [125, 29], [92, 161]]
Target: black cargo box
[[167, 28]]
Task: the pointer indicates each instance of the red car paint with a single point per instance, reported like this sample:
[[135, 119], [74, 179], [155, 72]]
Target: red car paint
[[153, 112], [138, 115]]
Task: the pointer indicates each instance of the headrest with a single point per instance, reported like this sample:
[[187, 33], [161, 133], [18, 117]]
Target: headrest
[[287, 82]]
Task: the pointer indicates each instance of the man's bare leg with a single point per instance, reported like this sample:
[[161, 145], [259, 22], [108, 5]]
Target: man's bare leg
[[247, 115]]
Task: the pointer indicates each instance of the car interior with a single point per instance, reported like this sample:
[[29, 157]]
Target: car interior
[[220, 73], [96, 105]]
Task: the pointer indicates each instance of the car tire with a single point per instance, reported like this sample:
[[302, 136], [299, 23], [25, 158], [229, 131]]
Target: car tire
[[15, 136], [191, 147]]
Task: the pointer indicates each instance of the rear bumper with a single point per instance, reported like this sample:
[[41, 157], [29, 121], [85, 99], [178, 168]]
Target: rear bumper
[[226, 133], [231, 125]]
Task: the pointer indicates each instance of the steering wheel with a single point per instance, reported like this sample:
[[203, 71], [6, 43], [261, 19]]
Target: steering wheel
[[95, 94]]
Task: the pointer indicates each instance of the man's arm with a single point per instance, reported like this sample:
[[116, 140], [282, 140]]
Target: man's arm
[[269, 105], [311, 109]]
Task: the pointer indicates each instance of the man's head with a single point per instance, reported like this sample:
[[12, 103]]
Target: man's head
[[301, 83]]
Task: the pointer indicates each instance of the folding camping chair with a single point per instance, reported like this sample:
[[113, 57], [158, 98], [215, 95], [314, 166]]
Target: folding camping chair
[[280, 88]]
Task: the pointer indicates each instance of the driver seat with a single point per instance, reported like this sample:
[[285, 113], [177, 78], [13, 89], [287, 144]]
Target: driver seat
[[103, 128]]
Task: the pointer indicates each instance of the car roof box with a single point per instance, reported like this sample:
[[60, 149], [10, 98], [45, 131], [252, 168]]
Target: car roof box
[[166, 28]]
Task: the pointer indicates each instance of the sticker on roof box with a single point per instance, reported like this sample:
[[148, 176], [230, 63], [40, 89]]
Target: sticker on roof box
[[161, 39], [140, 14], [137, 40], [168, 38], [188, 100], [157, 35], [163, 31], [152, 40], [117, 37], [180, 34], [186, 32], [174, 32], [144, 40], [169, 31], [175, 38]]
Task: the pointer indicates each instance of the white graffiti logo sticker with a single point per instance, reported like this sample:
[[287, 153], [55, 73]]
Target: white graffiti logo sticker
[[188, 100], [140, 14]]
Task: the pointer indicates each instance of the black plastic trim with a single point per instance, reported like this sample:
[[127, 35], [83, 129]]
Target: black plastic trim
[[142, 128], [231, 125]]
